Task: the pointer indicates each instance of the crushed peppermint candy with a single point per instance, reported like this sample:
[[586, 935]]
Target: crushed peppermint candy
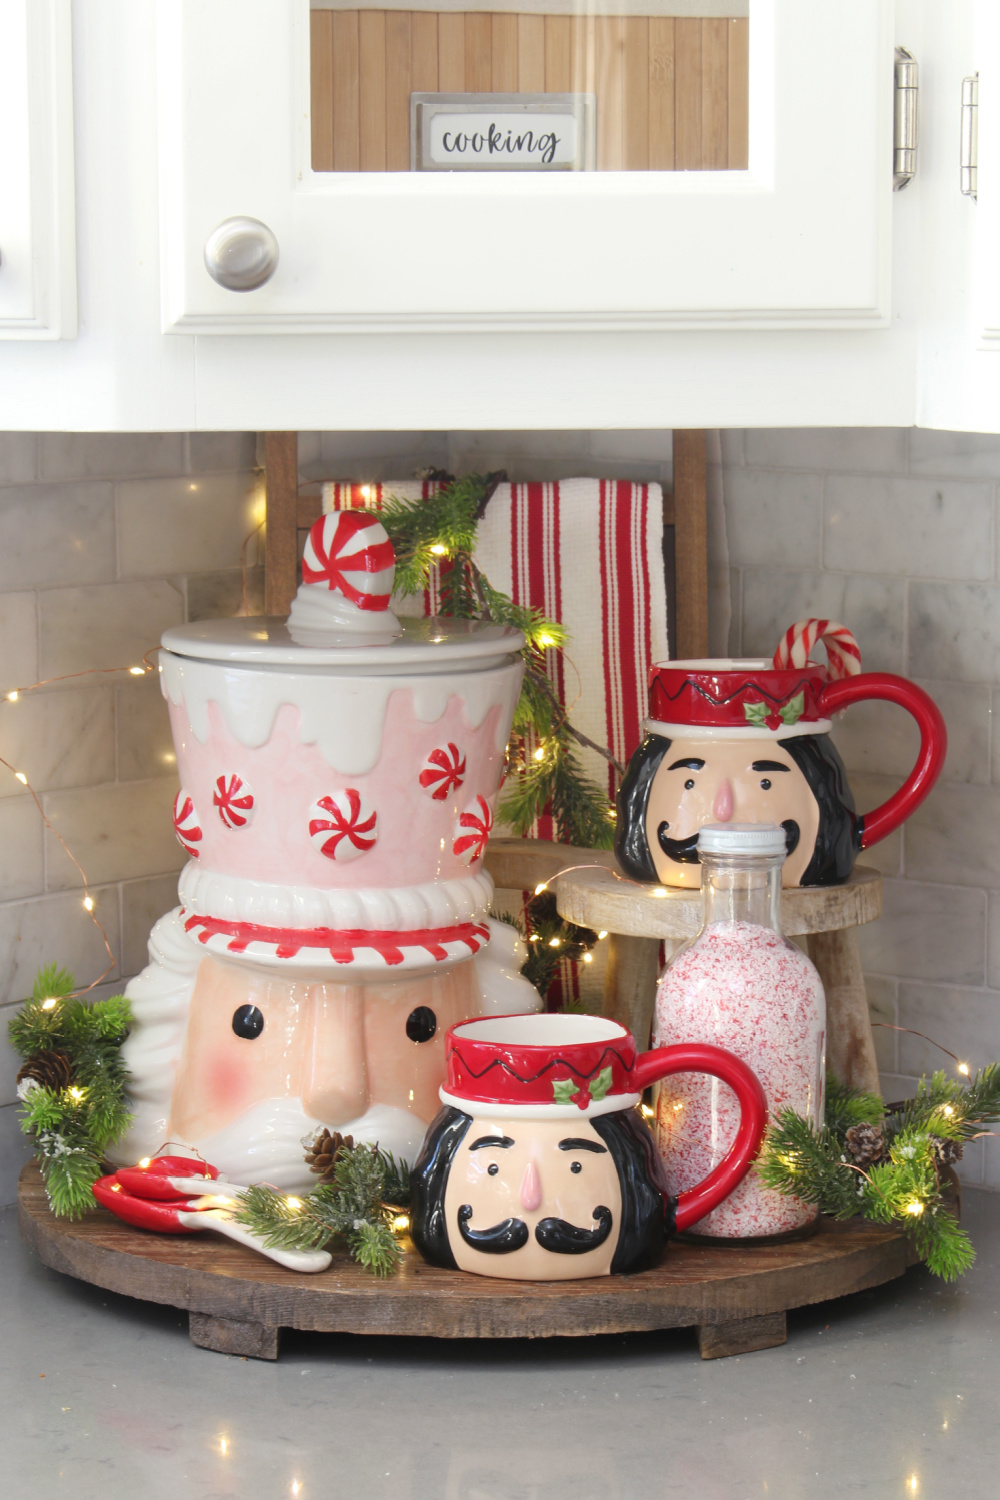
[[748, 989]]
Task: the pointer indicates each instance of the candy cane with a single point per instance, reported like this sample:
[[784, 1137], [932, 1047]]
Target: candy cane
[[351, 553], [842, 651]]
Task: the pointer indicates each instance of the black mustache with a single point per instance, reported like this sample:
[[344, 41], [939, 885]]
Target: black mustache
[[511, 1234], [557, 1235], [567, 1239], [685, 851]]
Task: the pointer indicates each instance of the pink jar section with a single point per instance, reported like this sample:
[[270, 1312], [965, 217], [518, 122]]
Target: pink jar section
[[415, 831], [745, 988]]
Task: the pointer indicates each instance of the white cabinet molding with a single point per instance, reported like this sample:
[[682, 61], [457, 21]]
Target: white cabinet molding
[[801, 240], [37, 198]]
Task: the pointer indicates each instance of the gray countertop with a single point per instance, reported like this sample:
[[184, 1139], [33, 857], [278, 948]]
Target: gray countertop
[[890, 1393]]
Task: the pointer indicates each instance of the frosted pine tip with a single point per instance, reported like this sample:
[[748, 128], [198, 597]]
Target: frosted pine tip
[[49, 1004], [964, 1069], [542, 887]]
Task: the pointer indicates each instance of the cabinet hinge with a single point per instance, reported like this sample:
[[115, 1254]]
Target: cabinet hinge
[[904, 159], [970, 136]]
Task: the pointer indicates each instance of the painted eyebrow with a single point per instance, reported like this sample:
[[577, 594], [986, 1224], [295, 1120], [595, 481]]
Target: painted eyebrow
[[694, 764], [579, 1143], [501, 1142], [769, 765]]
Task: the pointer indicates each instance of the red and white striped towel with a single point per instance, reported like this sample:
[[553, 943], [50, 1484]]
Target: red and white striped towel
[[588, 553]]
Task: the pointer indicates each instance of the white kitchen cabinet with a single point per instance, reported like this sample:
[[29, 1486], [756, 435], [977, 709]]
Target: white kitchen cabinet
[[37, 219], [800, 240]]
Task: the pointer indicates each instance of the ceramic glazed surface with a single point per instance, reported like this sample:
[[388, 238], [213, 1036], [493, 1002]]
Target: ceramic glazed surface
[[540, 1167], [749, 741]]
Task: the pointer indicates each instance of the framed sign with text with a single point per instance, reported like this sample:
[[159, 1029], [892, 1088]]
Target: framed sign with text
[[503, 132]]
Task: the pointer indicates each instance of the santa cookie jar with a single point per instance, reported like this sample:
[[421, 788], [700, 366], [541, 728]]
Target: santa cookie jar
[[338, 777], [750, 741]]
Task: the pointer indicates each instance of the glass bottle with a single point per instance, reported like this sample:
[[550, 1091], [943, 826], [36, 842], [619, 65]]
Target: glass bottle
[[740, 984]]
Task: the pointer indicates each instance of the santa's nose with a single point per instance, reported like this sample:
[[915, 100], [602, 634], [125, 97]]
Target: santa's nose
[[335, 1074], [531, 1188], [722, 807]]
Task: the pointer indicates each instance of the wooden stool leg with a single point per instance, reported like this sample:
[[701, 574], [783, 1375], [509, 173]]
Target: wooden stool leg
[[850, 1050], [232, 1336], [630, 983], [742, 1335]]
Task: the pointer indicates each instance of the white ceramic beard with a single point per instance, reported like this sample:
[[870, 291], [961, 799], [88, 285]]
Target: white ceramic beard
[[267, 1143]]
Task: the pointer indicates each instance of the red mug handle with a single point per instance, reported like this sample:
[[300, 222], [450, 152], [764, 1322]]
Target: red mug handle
[[877, 825], [699, 1057]]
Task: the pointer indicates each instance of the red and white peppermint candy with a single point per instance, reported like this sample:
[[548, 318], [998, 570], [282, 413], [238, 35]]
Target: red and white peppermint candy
[[186, 825], [351, 552], [234, 799], [473, 830], [843, 653], [343, 825], [443, 771]]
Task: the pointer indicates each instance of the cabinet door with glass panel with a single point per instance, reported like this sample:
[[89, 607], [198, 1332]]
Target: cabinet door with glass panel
[[571, 164]]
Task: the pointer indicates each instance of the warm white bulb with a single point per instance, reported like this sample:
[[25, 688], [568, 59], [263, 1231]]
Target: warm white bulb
[[439, 550], [138, 671], [658, 890], [49, 1004], [294, 1204], [646, 1111], [145, 1162], [947, 1110], [964, 1068], [88, 903], [401, 1222], [546, 640], [539, 753], [76, 1094], [601, 935], [554, 942], [21, 777], [915, 1208], [588, 958], [542, 887], [12, 697]]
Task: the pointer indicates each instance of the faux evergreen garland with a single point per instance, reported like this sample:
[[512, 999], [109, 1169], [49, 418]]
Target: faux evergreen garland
[[886, 1162], [362, 1200], [545, 774], [71, 1084]]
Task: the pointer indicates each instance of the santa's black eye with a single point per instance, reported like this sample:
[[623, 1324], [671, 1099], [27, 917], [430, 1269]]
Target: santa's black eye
[[248, 1022], [421, 1024], [576, 1166], [765, 785], [493, 1169], [688, 784]]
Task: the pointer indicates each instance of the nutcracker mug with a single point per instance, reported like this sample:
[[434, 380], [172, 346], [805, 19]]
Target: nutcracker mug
[[540, 1167], [750, 741]]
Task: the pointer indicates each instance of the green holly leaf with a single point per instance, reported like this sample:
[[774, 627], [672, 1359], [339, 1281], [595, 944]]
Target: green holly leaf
[[563, 1090], [756, 713], [793, 709], [600, 1085]]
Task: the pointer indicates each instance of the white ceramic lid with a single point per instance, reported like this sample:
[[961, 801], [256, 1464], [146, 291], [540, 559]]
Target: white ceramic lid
[[260, 640]]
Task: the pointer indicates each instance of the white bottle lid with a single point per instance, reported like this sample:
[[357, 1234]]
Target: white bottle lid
[[742, 838]]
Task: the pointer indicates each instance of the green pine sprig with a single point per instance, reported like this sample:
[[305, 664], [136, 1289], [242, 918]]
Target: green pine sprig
[[359, 1206], [72, 1126], [903, 1187]]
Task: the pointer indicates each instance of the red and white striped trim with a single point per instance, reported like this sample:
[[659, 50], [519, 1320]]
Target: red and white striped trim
[[358, 947]]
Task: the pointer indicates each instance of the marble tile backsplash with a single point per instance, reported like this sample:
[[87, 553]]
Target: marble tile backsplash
[[895, 533], [105, 540]]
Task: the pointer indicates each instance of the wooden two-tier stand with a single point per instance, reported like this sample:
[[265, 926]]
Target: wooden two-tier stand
[[736, 1296]]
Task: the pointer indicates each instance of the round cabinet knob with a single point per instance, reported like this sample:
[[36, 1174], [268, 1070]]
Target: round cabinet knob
[[241, 254]]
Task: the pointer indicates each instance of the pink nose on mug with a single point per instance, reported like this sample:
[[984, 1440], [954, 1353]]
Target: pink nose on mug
[[531, 1189], [722, 807]]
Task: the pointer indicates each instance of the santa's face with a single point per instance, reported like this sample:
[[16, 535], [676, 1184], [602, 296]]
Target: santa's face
[[533, 1199], [703, 781], [267, 1059]]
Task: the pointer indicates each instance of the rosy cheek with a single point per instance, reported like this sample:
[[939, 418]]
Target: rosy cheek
[[231, 1077]]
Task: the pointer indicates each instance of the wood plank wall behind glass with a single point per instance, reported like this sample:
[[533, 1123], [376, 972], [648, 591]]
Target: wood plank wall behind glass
[[672, 92]]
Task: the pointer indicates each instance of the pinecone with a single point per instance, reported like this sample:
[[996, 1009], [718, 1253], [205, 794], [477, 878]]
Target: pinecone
[[50, 1070], [323, 1150], [946, 1152], [865, 1144]]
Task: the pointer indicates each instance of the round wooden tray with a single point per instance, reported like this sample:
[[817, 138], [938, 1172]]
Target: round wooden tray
[[238, 1301]]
